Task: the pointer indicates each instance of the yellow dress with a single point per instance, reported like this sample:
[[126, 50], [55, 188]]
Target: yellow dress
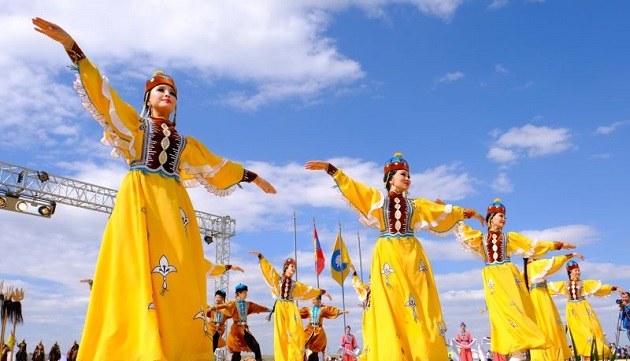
[[512, 318], [149, 294], [288, 333], [404, 296], [581, 317], [547, 316], [364, 294]]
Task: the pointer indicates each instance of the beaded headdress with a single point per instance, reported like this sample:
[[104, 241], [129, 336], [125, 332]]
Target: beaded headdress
[[496, 207], [396, 163], [159, 78], [289, 261], [571, 265]]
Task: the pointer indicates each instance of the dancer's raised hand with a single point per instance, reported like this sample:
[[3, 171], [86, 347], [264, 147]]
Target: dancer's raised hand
[[54, 32], [316, 165], [264, 185]]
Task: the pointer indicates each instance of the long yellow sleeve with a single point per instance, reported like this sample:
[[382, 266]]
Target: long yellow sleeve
[[271, 276]]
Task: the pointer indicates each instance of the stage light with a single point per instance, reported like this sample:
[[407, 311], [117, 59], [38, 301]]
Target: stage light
[[47, 210], [27, 205], [21, 206], [208, 239], [42, 176], [20, 177], [44, 211]]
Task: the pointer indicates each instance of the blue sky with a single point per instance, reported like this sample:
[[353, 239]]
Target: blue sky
[[523, 100]]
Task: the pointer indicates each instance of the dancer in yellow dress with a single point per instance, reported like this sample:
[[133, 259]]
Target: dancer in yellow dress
[[149, 295], [582, 320], [513, 327], [547, 316], [404, 296], [288, 333]]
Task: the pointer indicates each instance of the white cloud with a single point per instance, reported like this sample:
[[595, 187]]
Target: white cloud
[[498, 4], [601, 156], [450, 77], [527, 84], [278, 47], [447, 182], [500, 69], [269, 51], [534, 141], [577, 234], [501, 155], [608, 129], [502, 183]]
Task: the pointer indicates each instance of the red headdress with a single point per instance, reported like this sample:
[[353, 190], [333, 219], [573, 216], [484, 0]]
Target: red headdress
[[496, 207], [287, 262], [571, 265], [396, 163], [159, 78]]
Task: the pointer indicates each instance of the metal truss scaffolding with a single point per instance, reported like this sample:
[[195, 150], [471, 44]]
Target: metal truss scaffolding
[[39, 187]]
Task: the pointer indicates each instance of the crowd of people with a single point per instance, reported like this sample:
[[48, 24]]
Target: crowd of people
[[151, 253], [21, 353]]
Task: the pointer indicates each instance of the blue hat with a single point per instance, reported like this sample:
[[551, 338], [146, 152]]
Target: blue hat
[[396, 163], [220, 293], [241, 287], [571, 265], [496, 207]]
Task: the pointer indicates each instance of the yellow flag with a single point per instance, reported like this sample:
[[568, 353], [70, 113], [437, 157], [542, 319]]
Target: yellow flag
[[339, 261]]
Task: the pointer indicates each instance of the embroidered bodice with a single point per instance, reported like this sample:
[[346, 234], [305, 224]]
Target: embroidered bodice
[[286, 289], [495, 248], [161, 148], [398, 211], [574, 289], [241, 308], [315, 315], [218, 318]]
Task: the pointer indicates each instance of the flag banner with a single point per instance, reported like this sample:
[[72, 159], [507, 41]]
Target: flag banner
[[339, 261], [320, 261]]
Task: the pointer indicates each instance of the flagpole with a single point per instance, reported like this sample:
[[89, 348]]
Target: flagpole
[[295, 244], [343, 296], [360, 258], [316, 273]]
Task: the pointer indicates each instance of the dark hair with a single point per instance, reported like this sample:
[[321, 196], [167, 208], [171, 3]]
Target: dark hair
[[387, 177], [489, 217]]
